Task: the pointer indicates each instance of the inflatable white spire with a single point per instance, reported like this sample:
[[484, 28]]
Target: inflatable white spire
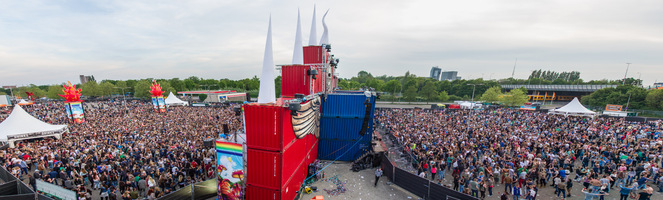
[[325, 34], [298, 53], [312, 38], [267, 93]]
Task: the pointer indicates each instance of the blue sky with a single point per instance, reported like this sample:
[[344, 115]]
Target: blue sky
[[52, 41]]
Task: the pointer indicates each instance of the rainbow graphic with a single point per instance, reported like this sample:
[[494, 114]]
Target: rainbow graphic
[[229, 148]]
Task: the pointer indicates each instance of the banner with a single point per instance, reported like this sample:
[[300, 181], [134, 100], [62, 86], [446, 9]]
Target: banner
[[162, 104], [611, 107], [76, 112], [155, 103], [230, 167]]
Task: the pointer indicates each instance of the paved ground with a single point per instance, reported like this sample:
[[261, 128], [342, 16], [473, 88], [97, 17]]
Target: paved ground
[[359, 186]]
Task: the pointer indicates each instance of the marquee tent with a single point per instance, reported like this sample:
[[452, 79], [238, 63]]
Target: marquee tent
[[21, 125], [172, 100], [573, 108], [23, 102]]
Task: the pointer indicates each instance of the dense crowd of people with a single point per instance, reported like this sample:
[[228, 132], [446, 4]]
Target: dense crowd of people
[[122, 151], [527, 151]]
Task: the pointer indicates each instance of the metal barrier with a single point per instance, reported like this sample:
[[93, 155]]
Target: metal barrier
[[203, 190], [421, 187], [13, 188]]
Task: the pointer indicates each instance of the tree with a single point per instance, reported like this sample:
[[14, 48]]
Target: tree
[[515, 97], [428, 91], [444, 96], [106, 88], [53, 92], [392, 86], [492, 94], [202, 97], [90, 89], [142, 89], [410, 94], [655, 99]]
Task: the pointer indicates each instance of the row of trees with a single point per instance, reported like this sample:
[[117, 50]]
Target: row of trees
[[408, 87]]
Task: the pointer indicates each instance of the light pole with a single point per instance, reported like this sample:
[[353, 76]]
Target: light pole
[[474, 87], [123, 94], [628, 101], [627, 65]]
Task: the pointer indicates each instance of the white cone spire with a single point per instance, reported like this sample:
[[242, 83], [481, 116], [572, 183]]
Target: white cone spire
[[325, 35], [312, 38], [267, 93], [298, 52]]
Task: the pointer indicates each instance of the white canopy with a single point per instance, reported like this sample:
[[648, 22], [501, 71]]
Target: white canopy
[[172, 100], [573, 108], [21, 125]]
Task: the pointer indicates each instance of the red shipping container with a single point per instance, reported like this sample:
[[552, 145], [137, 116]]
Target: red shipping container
[[295, 80], [287, 192], [314, 55], [321, 79], [268, 126], [270, 169]]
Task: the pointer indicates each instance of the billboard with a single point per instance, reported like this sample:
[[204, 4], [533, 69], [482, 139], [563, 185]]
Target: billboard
[[76, 112], [155, 103], [162, 103], [230, 170], [611, 107]]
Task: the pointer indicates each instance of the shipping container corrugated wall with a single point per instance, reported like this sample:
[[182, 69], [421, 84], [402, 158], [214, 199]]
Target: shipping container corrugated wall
[[342, 150], [347, 105], [268, 127], [314, 55], [280, 165], [344, 129], [294, 80]]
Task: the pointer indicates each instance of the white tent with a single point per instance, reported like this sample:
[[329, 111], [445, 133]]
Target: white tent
[[172, 100], [573, 108], [21, 125]]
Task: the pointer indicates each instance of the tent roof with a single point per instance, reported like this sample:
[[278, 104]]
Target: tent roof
[[574, 107], [172, 99], [21, 122]]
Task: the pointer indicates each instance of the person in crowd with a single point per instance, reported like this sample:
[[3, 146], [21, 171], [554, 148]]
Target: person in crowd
[[121, 145]]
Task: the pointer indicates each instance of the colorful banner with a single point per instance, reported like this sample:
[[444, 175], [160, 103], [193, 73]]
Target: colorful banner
[[162, 104], [155, 103], [230, 167], [77, 112], [611, 107]]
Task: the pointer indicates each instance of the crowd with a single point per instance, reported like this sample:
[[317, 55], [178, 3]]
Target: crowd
[[527, 151], [122, 151]]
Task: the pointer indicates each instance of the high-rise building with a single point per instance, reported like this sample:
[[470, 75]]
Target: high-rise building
[[435, 73], [85, 79], [449, 76]]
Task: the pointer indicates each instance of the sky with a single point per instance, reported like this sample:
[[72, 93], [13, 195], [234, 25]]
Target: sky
[[54, 41]]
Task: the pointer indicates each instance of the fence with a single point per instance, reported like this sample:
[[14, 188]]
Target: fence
[[421, 187], [203, 190], [13, 188]]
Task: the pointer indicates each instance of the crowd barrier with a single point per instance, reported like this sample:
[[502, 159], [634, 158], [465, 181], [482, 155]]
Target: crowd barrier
[[416, 185], [12, 188], [203, 190]]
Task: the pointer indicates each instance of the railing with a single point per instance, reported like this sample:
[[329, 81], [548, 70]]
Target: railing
[[13, 188]]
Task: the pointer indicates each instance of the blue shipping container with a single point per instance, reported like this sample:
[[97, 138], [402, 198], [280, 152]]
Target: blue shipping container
[[342, 150], [347, 105], [344, 128]]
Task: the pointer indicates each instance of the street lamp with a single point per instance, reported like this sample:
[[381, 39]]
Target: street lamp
[[627, 65], [474, 87], [629, 101]]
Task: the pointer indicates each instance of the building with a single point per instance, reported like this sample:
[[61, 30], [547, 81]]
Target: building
[[658, 85], [85, 79], [449, 76], [435, 73], [218, 96], [557, 92]]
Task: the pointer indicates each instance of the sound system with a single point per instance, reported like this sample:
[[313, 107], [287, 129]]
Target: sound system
[[226, 130], [208, 143]]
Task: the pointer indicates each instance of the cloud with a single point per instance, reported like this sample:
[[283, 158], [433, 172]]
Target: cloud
[[49, 42]]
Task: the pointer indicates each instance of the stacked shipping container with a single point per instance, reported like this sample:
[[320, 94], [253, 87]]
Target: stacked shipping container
[[277, 162], [343, 115]]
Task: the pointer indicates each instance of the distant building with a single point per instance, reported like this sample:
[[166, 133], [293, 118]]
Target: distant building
[[449, 76], [658, 85], [435, 73], [85, 79]]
